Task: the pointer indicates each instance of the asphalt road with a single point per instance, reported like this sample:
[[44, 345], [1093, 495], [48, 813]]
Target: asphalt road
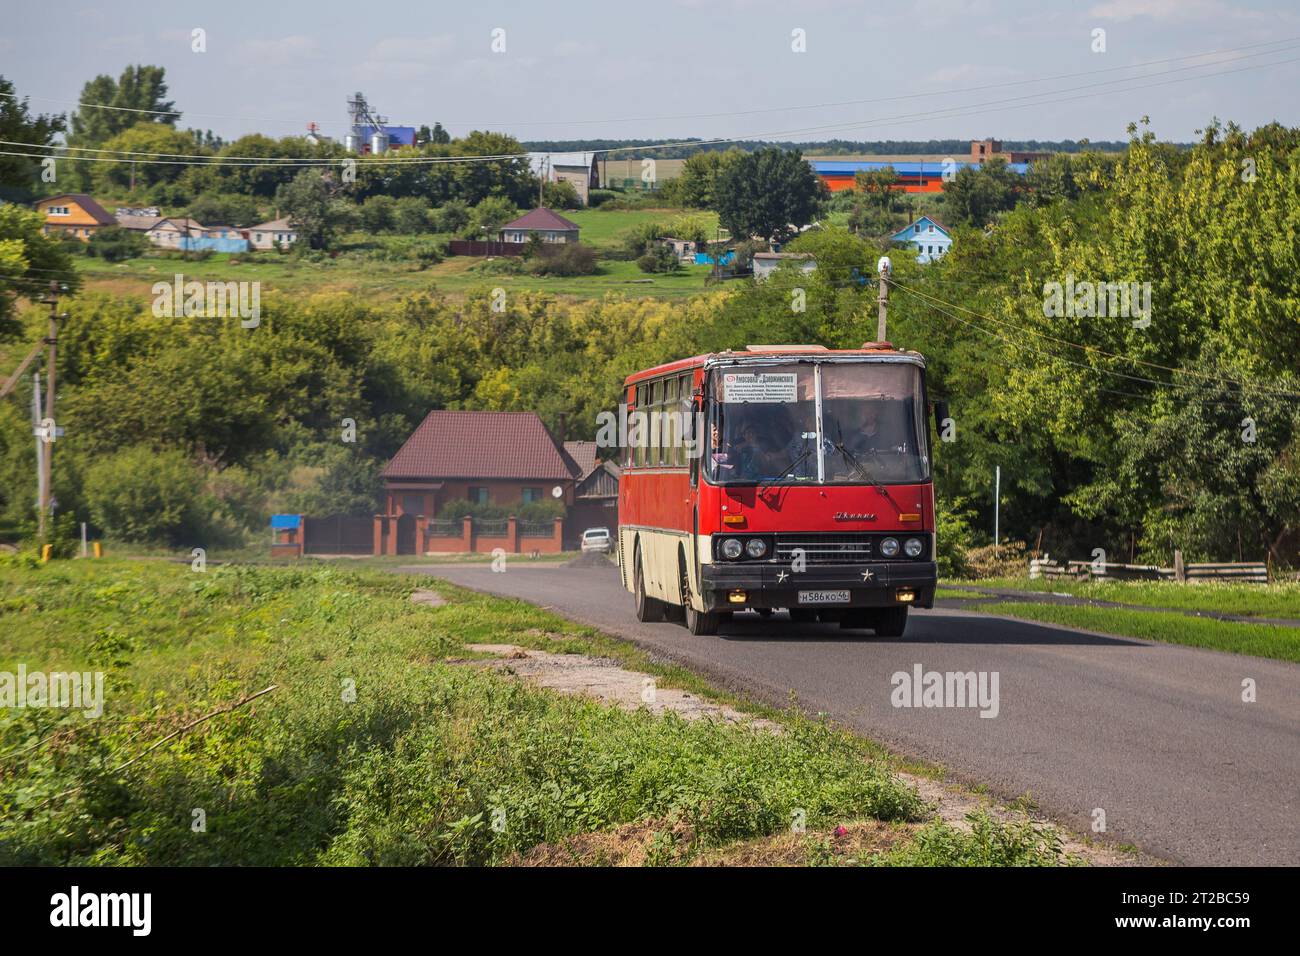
[[1156, 735]]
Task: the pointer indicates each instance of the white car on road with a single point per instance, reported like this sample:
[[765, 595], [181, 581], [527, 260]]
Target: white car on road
[[596, 539]]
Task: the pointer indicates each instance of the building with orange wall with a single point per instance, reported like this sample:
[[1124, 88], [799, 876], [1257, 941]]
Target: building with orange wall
[[73, 214]]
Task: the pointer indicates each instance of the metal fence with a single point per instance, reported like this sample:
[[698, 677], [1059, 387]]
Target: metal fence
[[536, 529], [490, 528], [446, 528]]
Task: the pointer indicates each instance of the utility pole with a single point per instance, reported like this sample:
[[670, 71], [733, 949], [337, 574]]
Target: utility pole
[[48, 439], [997, 500], [40, 443], [882, 300]]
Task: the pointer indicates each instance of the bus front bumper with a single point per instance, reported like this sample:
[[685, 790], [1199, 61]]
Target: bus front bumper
[[734, 587]]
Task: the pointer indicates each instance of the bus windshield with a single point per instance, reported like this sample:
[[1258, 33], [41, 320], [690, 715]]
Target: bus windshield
[[836, 422]]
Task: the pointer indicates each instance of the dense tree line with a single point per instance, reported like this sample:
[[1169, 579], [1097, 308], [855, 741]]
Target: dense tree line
[[1172, 425]]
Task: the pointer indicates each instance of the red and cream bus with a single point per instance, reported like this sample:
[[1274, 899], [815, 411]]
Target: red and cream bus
[[781, 476]]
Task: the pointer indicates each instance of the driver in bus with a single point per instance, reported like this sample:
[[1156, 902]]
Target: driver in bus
[[870, 436]]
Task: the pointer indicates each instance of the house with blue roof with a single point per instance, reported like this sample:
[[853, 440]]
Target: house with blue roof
[[930, 238]]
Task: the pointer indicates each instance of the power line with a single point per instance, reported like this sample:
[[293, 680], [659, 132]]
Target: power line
[[945, 113], [1091, 368], [682, 116], [1095, 350]]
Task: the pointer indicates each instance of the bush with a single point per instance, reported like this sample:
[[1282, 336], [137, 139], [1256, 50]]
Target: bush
[[411, 215], [115, 244], [955, 539], [375, 215], [488, 217], [140, 494], [560, 195], [639, 239], [564, 259], [452, 216], [659, 258]]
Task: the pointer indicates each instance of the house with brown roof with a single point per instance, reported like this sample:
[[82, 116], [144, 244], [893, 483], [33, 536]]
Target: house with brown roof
[[547, 223], [507, 459], [73, 214]]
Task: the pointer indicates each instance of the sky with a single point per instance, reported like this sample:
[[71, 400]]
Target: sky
[[760, 69]]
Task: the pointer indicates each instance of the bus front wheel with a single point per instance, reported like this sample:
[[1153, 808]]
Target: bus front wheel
[[697, 622], [891, 622], [648, 610]]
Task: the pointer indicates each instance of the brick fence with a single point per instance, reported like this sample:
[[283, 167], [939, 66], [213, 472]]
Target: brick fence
[[467, 535]]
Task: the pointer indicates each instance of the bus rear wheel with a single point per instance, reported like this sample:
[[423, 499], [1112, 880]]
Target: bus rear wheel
[[648, 610], [697, 622]]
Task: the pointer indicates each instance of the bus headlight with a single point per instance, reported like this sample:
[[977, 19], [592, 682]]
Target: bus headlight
[[731, 548], [889, 547], [756, 547], [913, 547]]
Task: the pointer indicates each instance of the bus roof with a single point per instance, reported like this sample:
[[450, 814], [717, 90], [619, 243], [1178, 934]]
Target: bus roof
[[878, 350]]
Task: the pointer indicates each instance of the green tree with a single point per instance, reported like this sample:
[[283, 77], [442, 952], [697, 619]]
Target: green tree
[[508, 178], [29, 262], [146, 494], [137, 96], [560, 195], [376, 214], [115, 244], [770, 193], [489, 216], [978, 195], [411, 215], [225, 209], [696, 184], [306, 201], [19, 176], [143, 138]]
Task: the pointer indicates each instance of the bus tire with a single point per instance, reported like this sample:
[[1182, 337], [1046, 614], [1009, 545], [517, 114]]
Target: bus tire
[[648, 610], [891, 622], [697, 622]]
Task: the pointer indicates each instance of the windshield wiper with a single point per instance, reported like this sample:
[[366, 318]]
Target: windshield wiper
[[795, 463], [856, 465]]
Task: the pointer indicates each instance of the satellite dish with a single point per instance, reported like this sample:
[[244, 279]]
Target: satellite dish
[[557, 492]]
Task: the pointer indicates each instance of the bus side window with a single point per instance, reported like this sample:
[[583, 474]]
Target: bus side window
[[625, 453], [642, 395], [668, 443], [655, 456], [685, 420]]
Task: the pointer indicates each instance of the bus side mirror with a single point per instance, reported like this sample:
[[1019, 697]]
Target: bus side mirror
[[940, 415]]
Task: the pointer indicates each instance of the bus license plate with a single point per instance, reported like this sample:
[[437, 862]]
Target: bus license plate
[[823, 597]]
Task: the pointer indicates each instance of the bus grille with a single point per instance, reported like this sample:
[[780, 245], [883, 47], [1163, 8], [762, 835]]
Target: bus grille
[[830, 548]]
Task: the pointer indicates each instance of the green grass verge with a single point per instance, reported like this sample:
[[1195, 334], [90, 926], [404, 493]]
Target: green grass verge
[[1259, 640], [413, 769], [1256, 600]]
